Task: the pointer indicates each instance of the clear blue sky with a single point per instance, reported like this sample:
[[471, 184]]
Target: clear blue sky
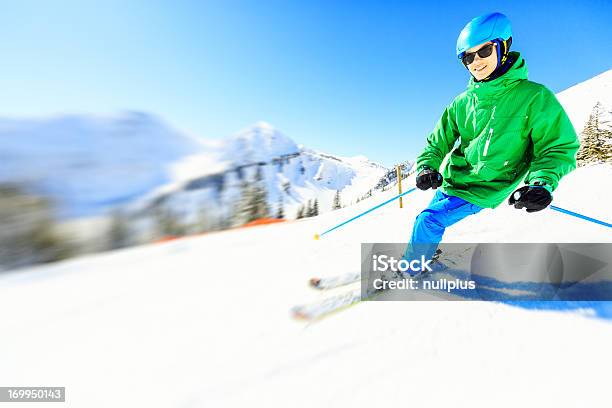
[[345, 77]]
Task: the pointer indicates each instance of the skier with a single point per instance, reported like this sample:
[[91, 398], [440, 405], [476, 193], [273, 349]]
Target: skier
[[501, 130]]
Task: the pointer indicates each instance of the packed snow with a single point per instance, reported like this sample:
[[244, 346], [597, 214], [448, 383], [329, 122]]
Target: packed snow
[[204, 321], [579, 100]]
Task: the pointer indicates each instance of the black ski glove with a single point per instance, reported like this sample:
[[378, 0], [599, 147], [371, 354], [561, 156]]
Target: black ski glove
[[534, 198], [428, 178]]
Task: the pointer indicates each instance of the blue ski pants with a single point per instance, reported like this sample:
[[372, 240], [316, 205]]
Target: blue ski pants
[[443, 211]]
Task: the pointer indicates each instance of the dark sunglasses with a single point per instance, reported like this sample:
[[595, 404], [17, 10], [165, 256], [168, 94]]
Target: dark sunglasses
[[484, 52]]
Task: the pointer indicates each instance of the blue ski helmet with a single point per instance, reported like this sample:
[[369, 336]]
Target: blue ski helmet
[[481, 29]]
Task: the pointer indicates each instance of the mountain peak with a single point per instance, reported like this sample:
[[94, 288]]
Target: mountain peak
[[259, 143], [263, 125]]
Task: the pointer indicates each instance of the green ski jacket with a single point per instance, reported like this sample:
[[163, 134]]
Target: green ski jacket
[[499, 132]]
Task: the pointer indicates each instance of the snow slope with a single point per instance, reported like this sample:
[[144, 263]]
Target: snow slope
[[579, 100], [205, 321]]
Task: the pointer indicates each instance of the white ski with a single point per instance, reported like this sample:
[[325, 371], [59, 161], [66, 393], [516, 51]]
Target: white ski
[[335, 281]]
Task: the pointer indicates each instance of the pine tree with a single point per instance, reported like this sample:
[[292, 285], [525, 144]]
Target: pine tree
[[315, 208], [300, 212], [596, 143], [308, 210], [253, 202], [337, 203], [260, 196], [204, 221], [29, 232], [168, 222], [119, 233], [260, 203], [242, 212], [280, 213]]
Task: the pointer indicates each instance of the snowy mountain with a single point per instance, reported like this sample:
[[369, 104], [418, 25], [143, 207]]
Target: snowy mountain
[[261, 143], [89, 163], [291, 173]]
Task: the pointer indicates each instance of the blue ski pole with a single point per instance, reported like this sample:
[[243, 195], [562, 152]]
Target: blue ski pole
[[584, 217], [317, 236]]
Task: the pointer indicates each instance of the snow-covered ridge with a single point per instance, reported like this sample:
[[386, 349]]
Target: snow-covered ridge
[[579, 100], [291, 174], [258, 143], [89, 164]]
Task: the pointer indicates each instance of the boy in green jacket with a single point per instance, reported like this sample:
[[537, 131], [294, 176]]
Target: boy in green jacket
[[501, 130]]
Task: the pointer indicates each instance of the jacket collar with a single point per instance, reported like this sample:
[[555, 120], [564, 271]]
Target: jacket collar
[[518, 72]]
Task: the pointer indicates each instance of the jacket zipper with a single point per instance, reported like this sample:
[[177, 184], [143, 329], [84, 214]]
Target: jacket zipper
[[486, 146]]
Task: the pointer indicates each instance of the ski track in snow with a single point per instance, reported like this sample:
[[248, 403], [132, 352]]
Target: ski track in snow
[[204, 321]]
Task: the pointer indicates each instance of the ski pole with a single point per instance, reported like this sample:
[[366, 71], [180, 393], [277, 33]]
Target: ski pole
[[584, 217], [317, 236]]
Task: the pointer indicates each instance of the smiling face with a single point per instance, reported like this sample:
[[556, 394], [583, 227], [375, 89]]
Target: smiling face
[[482, 67]]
